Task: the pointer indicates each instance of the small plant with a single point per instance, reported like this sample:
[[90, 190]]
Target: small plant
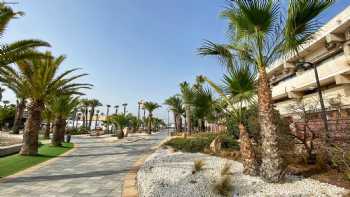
[[198, 166], [224, 186], [226, 170]]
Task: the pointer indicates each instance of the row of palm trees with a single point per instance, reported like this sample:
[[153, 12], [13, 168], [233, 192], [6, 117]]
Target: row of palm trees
[[195, 104], [260, 32], [33, 76], [128, 120]]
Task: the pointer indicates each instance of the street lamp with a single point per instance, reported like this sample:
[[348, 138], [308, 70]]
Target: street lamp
[[305, 65], [108, 106], [138, 109]]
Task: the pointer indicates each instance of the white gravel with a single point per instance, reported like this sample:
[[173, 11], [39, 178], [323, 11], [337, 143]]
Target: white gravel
[[167, 174]]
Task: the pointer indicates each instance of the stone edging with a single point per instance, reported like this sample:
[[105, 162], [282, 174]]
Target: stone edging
[[40, 165], [130, 181]]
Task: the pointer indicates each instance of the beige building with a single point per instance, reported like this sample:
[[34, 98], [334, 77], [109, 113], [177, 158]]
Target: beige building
[[330, 51]]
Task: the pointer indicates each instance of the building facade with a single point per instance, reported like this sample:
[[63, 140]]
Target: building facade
[[330, 51]]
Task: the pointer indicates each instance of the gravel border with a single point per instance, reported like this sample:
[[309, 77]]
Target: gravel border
[[169, 174]]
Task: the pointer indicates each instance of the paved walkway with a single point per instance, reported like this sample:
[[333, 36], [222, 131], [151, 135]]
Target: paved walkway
[[95, 168]]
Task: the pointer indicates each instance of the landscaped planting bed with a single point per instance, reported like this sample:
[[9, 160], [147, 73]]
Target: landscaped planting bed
[[167, 173]]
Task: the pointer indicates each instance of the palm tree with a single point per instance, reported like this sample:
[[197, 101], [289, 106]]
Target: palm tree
[[187, 97], [150, 107], [116, 107], [175, 105], [203, 103], [61, 108], [239, 90], [41, 82], [120, 121], [93, 104], [124, 105], [260, 36], [85, 103], [19, 50]]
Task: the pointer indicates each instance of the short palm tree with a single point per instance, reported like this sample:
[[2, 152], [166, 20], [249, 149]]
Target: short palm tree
[[120, 121], [260, 35], [187, 97], [176, 106], [19, 50], [239, 90], [93, 104], [41, 81], [61, 108], [150, 107]]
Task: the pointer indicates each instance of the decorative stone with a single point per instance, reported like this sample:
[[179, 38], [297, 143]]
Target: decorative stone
[[215, 145]]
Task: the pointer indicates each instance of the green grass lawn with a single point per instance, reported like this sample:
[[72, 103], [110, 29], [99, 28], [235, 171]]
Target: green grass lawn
[[15, 163]]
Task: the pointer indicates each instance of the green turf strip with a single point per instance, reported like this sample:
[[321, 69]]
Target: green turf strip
[[15, 163]]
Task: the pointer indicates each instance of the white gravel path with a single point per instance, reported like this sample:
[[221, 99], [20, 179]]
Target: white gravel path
[[167, 174]]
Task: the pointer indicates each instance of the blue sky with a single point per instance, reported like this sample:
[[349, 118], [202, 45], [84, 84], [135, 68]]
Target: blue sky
[[132, 49]]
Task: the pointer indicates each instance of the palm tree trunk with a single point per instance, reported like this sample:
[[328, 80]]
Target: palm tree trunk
[[250, 164], [150, 124], [47, 130], [188, 119], [175, 121], [272, 163], [32, 127], [92, 112], [58, 131], [18, 117]]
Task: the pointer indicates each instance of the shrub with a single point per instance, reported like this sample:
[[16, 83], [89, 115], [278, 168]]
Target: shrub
[[189, 144], [198, 166], [226, 170], [77, 131], [224, 187], [201, 141]]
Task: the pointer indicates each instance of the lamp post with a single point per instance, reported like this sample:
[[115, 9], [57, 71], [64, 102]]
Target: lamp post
[[138, 109], [107, 113], [305, 65]]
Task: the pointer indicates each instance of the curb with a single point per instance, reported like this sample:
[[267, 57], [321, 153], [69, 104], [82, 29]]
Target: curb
[[130, 181], [36, 167]]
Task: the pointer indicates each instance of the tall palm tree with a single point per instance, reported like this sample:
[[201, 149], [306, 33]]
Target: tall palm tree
[[187, 97], [42, 81], [116, 107], [175, 105], [19, 50], [85, 103], [150, 107], [61, 107], [124, 105], [93, 104], [239, 90], [260, 35]]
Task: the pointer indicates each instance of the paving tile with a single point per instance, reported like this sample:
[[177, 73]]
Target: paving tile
[[95, 168]]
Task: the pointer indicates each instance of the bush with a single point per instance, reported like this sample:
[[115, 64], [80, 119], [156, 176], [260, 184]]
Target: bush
[[77, 131], [191, 145], [201, 141]]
